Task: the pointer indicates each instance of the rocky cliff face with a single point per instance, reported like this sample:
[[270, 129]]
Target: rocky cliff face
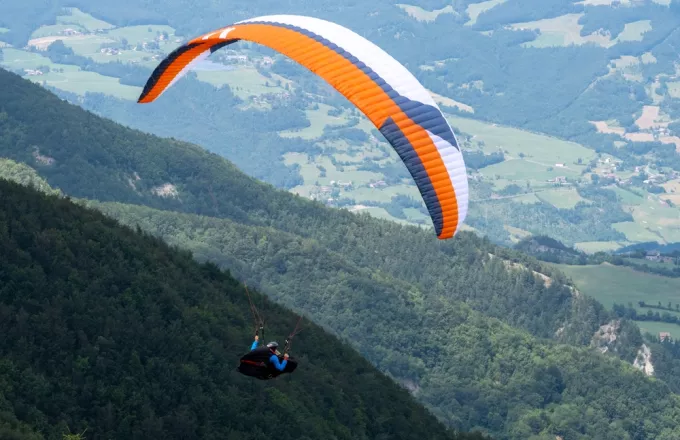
[[608, 338], [643, 361], [605, 337]]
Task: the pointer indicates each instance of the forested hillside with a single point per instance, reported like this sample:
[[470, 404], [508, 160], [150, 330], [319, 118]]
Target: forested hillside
[[440, 317], [89, 157], [113, 333]]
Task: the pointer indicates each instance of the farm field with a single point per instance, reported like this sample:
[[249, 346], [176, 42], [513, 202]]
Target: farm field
[[655, 328], [67, 77], [622, 285], [474, 9], [565, 30], [421, 14], [592, 247], [546, 150], [562, 198]]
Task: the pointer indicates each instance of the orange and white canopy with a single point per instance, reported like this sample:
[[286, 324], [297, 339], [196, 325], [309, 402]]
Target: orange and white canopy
[[381, 87]]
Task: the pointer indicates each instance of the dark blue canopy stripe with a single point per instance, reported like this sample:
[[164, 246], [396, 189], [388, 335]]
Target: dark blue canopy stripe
[[410, 157]]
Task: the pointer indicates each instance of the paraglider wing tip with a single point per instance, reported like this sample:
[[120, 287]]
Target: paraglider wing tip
[[445, 236], [448, 234]]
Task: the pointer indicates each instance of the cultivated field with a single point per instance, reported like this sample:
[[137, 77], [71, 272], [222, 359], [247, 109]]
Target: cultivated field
[[617, 284], [421, 14], [562, 198], [565, 30], [474, 9], [591, 247]]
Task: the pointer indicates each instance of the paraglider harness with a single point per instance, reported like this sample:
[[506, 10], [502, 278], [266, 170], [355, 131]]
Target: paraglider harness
[[256, 362]]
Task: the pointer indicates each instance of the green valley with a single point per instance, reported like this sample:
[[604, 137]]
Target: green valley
[[330, 152]]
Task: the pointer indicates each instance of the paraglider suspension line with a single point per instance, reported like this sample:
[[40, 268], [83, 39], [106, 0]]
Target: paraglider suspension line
[[257, 318], [289, 339]]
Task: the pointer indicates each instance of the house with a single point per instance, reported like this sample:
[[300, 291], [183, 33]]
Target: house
[[652, 256], [237, 58], [110, 51], [561, 180], [69, 31], [664, 335]]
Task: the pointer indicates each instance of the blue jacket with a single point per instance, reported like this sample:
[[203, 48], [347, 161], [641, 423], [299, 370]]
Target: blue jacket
[[274, 359]]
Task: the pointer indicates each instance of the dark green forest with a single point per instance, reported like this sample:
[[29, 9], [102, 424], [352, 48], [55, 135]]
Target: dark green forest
[[465, 325], [110, 331], [97, 159]]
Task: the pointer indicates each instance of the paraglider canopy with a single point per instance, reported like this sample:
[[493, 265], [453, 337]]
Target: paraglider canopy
[[381, 87]]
